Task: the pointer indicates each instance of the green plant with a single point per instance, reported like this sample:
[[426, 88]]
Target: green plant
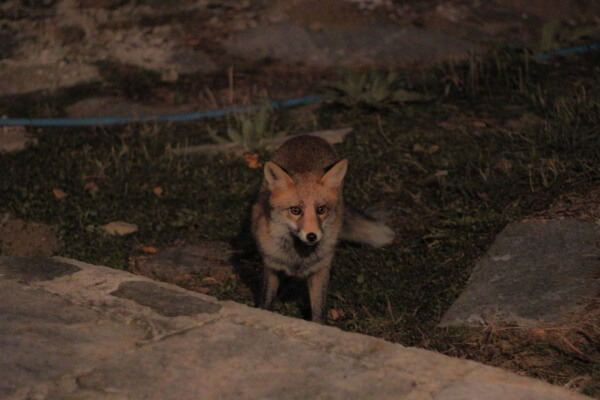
[[554, 34], [374, 89], [250, 129]]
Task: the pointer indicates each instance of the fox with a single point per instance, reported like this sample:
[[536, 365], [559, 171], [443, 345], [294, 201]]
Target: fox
[[299, 217]]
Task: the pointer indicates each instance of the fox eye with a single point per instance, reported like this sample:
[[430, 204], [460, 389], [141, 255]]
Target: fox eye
[[295, 210], [321, 210]]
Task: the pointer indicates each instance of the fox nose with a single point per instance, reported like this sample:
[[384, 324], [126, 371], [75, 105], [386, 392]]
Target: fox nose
[[311, 237]]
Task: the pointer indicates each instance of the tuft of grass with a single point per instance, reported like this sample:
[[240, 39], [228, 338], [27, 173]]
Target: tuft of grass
[[250, 129], [554, 35], [565, 355], [373, 90]]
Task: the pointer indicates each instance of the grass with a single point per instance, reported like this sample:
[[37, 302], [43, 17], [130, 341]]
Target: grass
[[503, 138]]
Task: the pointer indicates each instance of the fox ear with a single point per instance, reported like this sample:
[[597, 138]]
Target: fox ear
[[334, 176], [275, 176]]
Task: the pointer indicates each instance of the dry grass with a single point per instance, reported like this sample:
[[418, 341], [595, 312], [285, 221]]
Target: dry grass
[[565, 354]]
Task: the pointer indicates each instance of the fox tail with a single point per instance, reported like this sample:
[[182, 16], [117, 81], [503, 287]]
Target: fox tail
[[366, 228]]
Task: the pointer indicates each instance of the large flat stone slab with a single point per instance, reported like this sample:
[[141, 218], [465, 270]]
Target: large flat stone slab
[[96, 333], [534, 271], [46, 341], [274, 367], [166, 302], [365, 45], [31, 269], [17, 78]]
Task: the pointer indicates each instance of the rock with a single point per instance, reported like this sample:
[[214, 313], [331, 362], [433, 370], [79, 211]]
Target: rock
[[90, 332], [158, 51], [119, 228], [363, 45], [192, 61], [107, 4], [70, 34], [534, 271], [15, 138], [450, 11], [207, 259], [25, 77]]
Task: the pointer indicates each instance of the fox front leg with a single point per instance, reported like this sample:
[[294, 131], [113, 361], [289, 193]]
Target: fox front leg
[[317, 290], [269, 289]]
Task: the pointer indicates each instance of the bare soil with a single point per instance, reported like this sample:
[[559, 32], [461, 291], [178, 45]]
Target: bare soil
[[21, 239]]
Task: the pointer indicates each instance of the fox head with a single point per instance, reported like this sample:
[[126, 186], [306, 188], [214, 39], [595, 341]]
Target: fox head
[[307, 203]]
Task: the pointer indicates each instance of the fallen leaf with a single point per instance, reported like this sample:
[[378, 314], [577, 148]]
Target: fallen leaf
[[479, 124], [158, 191], [59, 194], [149, 249], [446, 125], [483, 196], [417, 148], [192, 42], [91, 187], [441, 173], [433, 149], [209, 280], [252, 160], [119, 228], [335, 314]]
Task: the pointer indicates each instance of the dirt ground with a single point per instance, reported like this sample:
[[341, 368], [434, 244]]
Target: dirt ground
[[24, 239]]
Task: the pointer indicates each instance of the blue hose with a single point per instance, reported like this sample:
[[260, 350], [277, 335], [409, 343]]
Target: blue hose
[[73, 122], [569, 50]]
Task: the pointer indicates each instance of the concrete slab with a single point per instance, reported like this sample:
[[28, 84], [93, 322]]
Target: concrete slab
[[366, 45], [32, 269], [45, 341], [67, 336], [166, 302], [534, 271]]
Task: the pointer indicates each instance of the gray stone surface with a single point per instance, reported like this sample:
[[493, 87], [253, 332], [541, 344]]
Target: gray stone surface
[[71, 338], [26, 77], [166, 302], [534, 271], [197, 360], [31, 269], [374, 44], [45, 341]]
